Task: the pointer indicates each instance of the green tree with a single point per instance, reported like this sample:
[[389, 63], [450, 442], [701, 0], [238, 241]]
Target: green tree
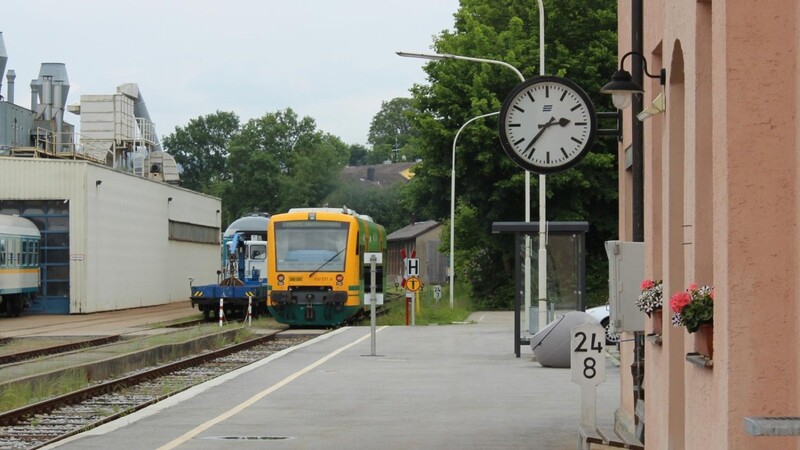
[[581, 45], [280, 161], [358, 155], [386, 205], [391, 132], [201, 148], [313, 170]]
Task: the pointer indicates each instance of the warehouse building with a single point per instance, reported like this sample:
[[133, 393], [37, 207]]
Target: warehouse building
[[117, 230]]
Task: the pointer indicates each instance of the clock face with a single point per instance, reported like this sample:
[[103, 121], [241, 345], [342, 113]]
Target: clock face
[[547, 124]]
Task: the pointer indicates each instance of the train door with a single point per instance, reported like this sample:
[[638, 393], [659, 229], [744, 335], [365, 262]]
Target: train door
[[256, 260]]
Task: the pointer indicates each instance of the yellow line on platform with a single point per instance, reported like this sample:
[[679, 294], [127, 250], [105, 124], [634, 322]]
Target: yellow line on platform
[[244, 405]]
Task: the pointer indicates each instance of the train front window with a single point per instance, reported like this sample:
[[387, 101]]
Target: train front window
[[258, 252], [310, 246]]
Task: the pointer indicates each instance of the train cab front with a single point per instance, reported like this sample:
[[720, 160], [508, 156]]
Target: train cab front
[[319, 303], [311, 284]]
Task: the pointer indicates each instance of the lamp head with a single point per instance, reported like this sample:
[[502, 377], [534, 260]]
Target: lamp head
[[621, 87], [432, 57]]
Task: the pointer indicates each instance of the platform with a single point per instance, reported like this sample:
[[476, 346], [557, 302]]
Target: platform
[[121, 322], [428, 387]]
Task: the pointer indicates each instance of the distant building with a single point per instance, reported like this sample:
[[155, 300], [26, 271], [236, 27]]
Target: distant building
[[425, 239], [117, 231], [379, 175]]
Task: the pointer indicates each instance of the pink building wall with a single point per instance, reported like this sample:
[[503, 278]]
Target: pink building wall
[[721, 208]]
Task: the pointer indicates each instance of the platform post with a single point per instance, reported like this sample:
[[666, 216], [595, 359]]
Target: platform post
[[249, 310], [372, 300]]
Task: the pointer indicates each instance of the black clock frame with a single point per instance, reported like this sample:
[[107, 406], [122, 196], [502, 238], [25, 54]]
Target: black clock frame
[[526, 164]]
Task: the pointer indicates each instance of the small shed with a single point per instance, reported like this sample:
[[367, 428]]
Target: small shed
[[425, 239]]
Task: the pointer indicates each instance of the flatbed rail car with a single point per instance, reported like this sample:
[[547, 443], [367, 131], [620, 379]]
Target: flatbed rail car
[[19, 264], [241, 280], [315, 256]]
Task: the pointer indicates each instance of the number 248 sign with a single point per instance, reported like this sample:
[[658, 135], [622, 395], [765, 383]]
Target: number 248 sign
[[588, 362]]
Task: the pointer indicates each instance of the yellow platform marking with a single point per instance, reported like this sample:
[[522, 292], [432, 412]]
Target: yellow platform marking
[[246, 404]]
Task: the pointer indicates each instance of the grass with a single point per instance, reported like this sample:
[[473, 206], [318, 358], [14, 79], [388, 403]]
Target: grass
[[20, 395], [430, 311], [16, 395]]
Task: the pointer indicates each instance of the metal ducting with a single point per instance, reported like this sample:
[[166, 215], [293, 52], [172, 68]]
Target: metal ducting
[[3, 58], [140, 111], [42, 98], [10, 76]]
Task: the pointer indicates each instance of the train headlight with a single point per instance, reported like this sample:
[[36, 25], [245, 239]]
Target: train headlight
[[280, 279], [339, 279]]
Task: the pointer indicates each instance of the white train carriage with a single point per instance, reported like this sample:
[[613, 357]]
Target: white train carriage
[[19, 263]]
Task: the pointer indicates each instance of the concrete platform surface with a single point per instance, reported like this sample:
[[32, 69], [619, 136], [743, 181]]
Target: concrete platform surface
[[427, 387], [123, 322]]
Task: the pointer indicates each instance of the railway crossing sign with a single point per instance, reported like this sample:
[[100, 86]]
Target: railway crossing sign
[[413, 284]]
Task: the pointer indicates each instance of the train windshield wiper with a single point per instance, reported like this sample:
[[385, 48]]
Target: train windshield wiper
[[326, 262]]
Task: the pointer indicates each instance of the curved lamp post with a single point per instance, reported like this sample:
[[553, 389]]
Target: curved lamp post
[[443, 57], [542, 192], [453, 201]]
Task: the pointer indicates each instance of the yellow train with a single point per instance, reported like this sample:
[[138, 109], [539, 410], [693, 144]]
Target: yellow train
[[315, 259]]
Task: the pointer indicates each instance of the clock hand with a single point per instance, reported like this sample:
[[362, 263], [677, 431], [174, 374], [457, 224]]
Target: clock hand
[[562, 121], [543, 127]]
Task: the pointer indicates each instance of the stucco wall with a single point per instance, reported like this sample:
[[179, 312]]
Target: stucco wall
[[721, 208]]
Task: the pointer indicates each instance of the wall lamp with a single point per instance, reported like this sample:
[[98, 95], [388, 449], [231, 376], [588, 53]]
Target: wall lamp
[[98, 183], [169, 199], [622, 86]]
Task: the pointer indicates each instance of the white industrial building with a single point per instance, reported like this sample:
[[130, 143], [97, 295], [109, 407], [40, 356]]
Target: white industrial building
[[117, 230], [111, 240]]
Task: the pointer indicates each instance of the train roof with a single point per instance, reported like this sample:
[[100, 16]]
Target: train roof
[[343, 210], [18, 226], [256, 222]]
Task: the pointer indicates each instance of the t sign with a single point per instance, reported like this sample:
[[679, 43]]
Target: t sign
[[412, 267]]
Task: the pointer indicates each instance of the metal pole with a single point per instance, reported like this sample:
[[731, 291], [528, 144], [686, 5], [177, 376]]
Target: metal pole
[[372, 270], [453, 202], [249, 310], [542, 210], [637, 194]]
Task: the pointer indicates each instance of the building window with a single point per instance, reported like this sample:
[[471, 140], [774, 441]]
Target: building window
[[190, 232]]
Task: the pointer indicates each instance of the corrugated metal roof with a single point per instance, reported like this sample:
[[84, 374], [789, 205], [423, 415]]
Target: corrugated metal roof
[[412, 231]]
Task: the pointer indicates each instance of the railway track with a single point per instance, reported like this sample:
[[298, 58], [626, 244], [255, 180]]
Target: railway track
[[50, 350], [40, 424]]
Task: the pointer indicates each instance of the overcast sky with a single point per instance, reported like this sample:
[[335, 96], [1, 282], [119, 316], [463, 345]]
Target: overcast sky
[[332, 60]]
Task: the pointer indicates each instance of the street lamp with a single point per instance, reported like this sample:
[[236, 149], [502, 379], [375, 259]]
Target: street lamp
[[453, 201], [542, 192], [444, 57], [622, 87]]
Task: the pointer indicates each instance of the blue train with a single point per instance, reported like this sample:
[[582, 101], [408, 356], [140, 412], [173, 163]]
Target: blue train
[[19, 264], [241, 279]]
